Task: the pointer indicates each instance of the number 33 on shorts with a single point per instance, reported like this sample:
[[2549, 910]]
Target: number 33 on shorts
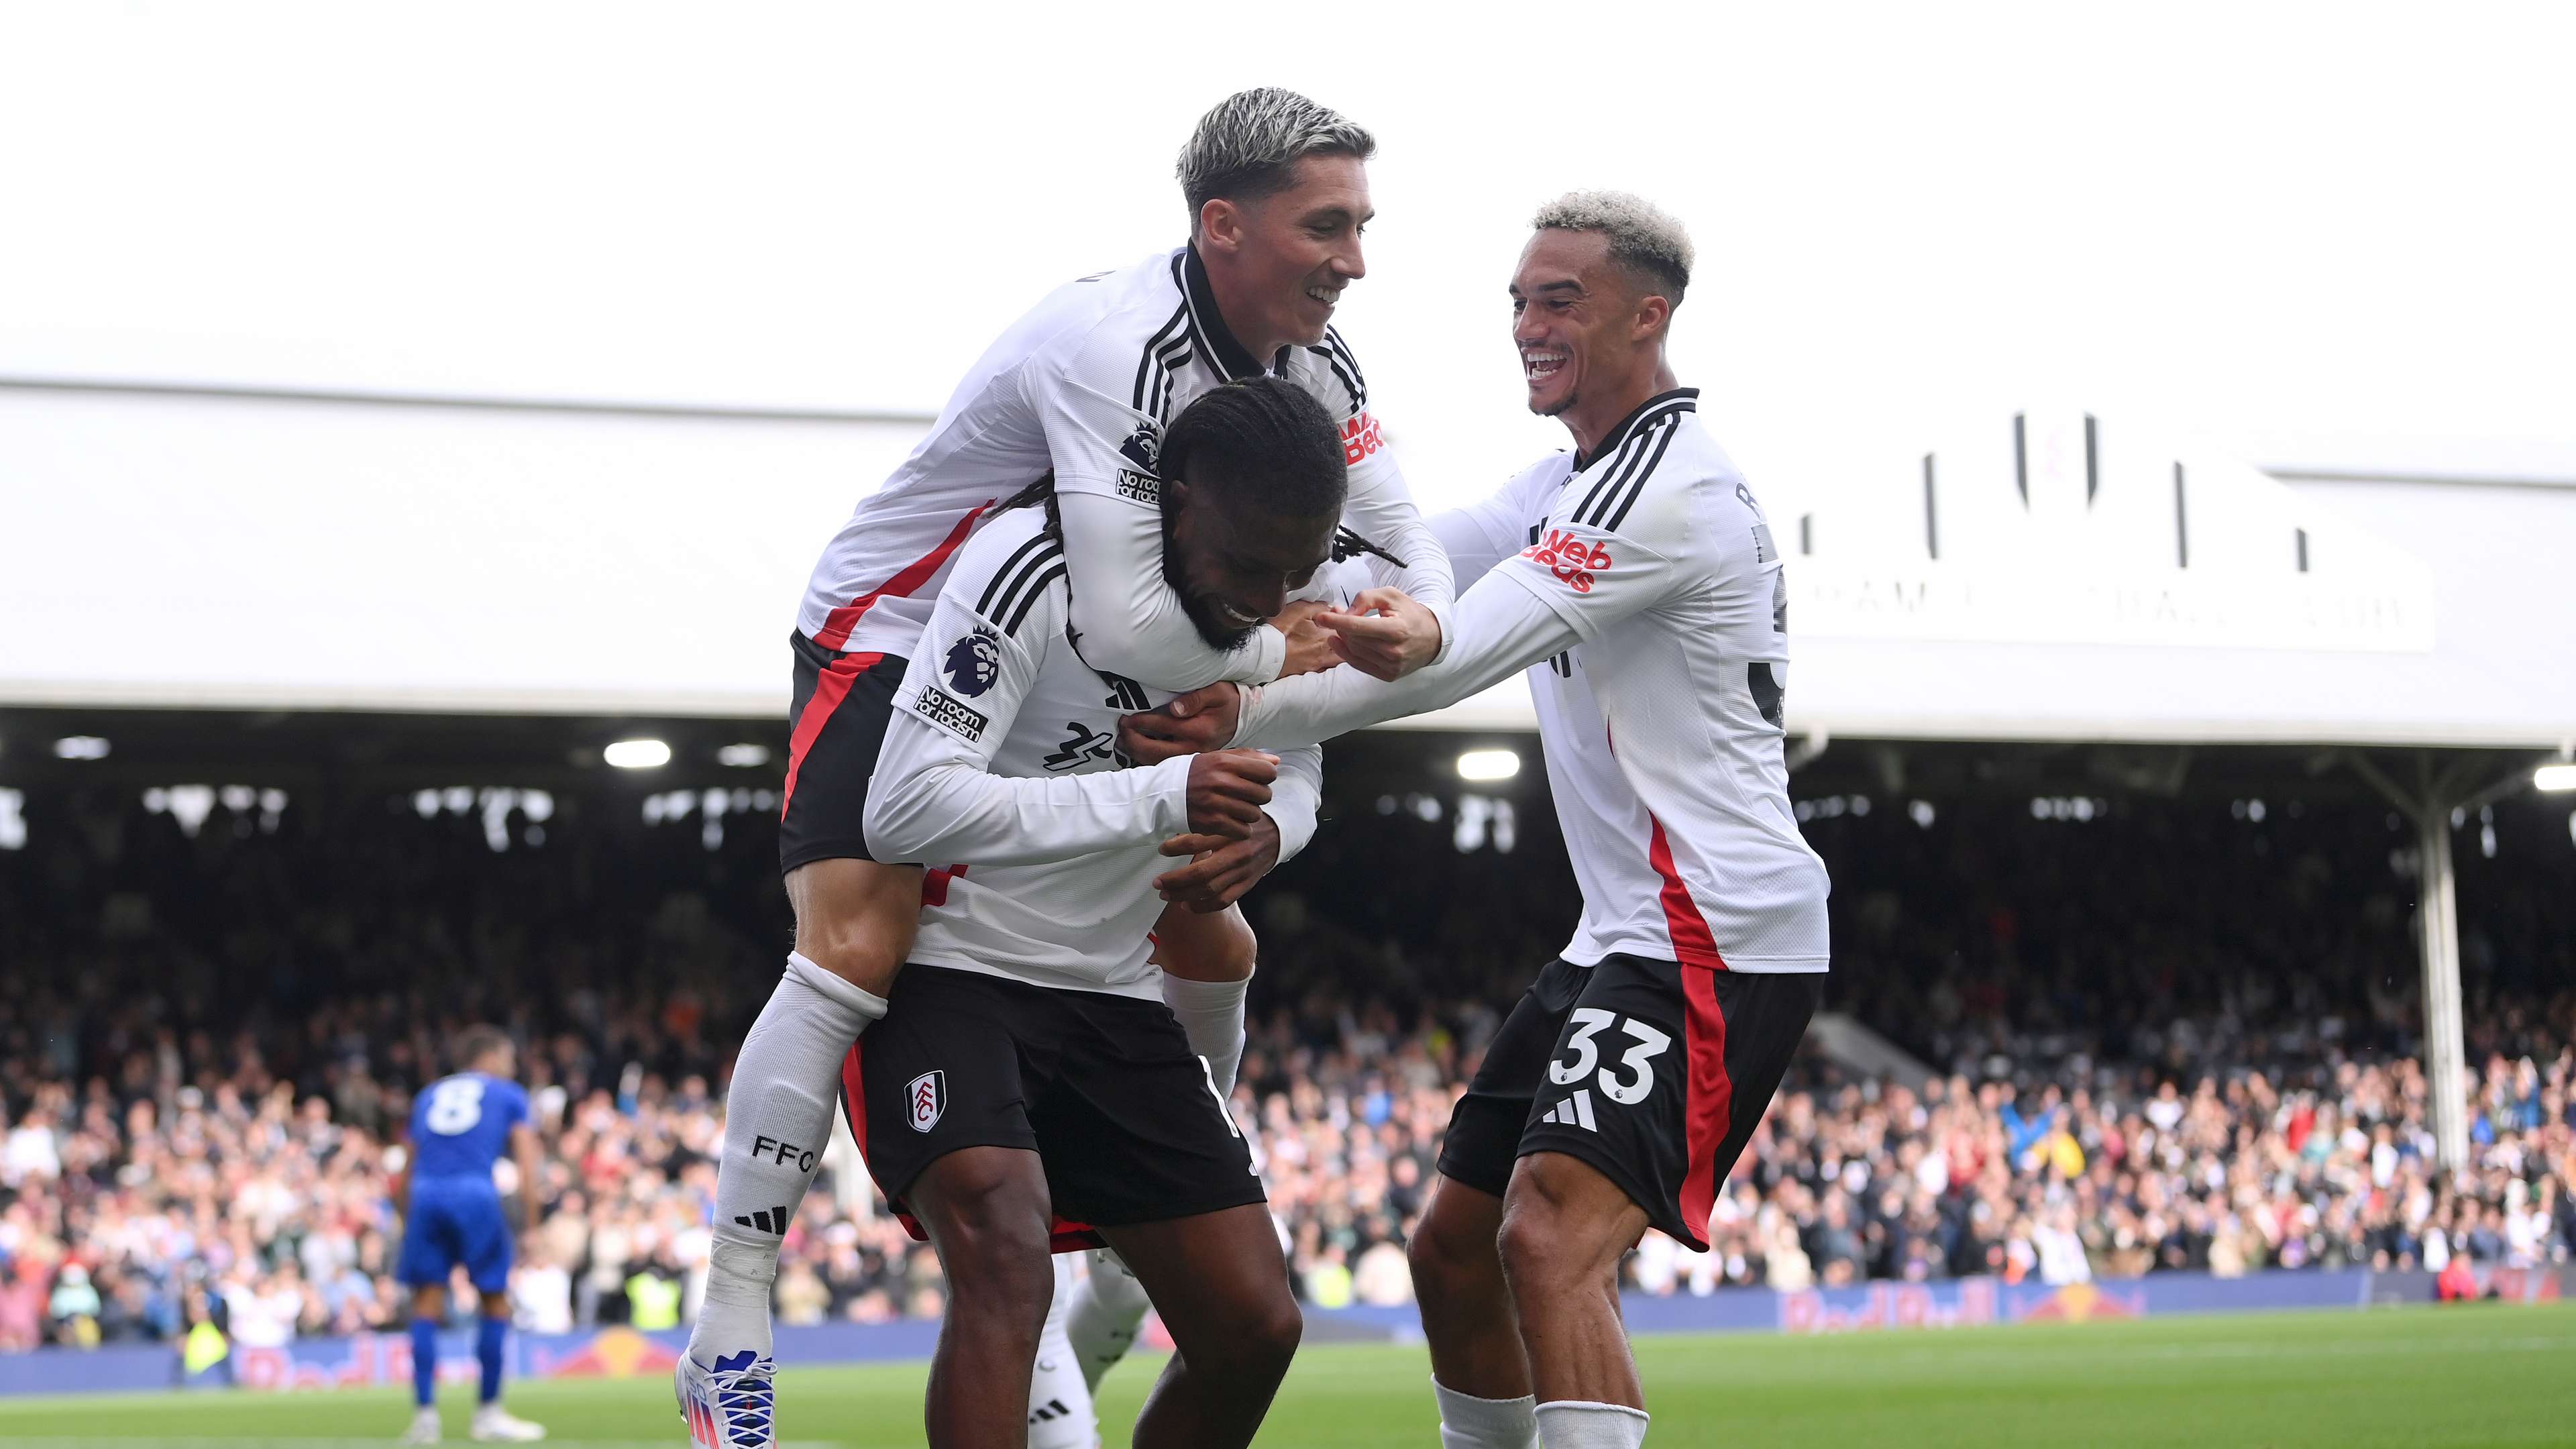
[[1626, 1081], [1659, 1074], [1631, 1078], [1620, 1050]]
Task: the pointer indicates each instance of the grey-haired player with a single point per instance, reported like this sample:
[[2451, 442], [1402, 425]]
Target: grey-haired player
[[1081, 388]]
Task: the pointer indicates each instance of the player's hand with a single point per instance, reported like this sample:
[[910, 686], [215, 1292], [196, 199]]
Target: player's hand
[[1192, 723], [1384, 634], [1220, 871], [1226, 792], [1310, 648]]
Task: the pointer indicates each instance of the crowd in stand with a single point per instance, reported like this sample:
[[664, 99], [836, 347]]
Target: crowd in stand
[[208, 1039], [2325, 1165]]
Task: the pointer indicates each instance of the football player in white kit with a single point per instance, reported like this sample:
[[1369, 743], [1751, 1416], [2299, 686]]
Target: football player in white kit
[[1079, 389], [1637, 582], [1027, 1088]]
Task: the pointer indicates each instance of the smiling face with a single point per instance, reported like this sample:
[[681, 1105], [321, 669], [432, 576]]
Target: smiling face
[[1579, 320], [1233, 562], [1282, 260]]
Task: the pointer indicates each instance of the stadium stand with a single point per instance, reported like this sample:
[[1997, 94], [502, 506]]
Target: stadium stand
[[2166, 1033]]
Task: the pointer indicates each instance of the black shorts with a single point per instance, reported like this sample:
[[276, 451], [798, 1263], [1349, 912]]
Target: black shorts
[[1653, 1072], [836, 722], [1105, 1089]]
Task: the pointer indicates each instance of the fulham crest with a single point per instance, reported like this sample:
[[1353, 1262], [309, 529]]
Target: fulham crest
[[925, 1098]]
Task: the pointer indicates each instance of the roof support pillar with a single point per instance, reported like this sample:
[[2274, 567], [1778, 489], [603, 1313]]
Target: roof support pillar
[[2437, 931], [2438, 796]]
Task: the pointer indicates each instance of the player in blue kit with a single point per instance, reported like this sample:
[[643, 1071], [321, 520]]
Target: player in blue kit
[[460, 1126]]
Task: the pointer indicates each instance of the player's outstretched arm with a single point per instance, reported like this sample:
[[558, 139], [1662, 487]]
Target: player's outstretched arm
[[1412, 557], [1479, 540], [1471, 540], [1575, 581], [1499, 631]]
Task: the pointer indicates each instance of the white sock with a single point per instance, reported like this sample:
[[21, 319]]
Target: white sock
[[1212, 1013], [1468, 1422], [1060, 1413], [1108, 1307], [778, 1118], [1581, 1424]]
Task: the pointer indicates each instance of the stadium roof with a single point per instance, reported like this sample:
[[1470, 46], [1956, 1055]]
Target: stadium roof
[[2081, 583], [2050, 576]]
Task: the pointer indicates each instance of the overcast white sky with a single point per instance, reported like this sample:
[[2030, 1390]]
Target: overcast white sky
[[2330, 235]]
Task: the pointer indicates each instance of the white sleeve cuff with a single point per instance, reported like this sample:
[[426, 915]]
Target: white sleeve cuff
[[1266, 653], [1170, 795], [1249, 713], [1296, 821], [1448, 631]]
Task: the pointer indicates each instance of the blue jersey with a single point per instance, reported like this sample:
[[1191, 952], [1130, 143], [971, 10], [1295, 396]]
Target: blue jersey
[[461, 1126]]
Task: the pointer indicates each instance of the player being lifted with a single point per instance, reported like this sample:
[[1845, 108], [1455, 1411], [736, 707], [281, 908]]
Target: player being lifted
[[1080, 387], [1027, 1087], [1094, 1320], [1636, 580], [452, 1216]]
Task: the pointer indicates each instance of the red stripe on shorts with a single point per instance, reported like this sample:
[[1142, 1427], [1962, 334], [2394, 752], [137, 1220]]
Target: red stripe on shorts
[[1064, 1235], [854, 1097], [1708, 1103], [1709, 1097], [829, 690]]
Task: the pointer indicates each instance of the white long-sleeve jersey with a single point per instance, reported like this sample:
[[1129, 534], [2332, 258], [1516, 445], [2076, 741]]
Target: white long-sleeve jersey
[[1641, 590], [1000, 771], [1082, 386]]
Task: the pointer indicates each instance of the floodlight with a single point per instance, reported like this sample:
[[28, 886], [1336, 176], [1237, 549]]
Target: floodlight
[[637, 754]]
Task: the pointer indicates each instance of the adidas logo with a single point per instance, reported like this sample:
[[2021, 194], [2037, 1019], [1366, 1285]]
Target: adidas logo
[[768, 1220], [1574, 1111], [1052, 1409]]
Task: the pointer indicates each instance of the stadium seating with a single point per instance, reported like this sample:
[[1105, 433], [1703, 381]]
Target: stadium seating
[[211, 1032]]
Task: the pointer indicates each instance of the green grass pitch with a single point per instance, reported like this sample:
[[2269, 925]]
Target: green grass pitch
[[2414, 1378]]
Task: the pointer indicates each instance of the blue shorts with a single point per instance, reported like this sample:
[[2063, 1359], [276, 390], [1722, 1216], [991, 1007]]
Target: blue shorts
[[452, 1224]]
